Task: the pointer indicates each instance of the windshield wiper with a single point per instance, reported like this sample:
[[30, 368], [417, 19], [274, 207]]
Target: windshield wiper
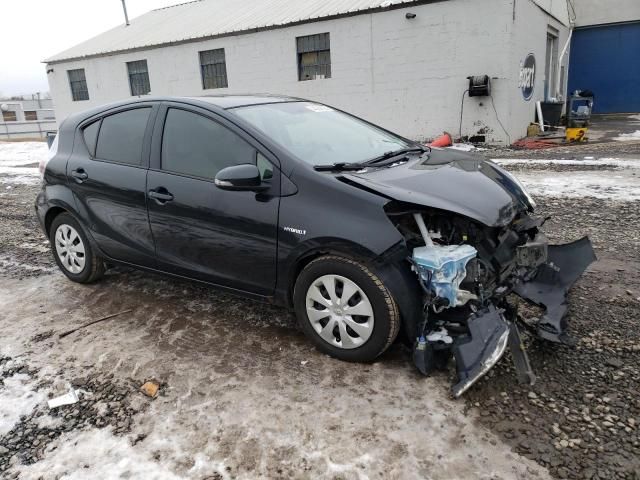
[[384, 159], [396, 153], [340, 166]]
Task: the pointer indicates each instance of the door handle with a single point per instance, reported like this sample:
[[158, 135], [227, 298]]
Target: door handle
[[160, 195], [79, 175]]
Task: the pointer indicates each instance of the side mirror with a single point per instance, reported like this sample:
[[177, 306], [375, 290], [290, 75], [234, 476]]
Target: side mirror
[[240, 177]]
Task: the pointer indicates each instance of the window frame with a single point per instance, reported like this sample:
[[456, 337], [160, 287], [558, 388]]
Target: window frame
[[33, 113], [146, 140], [203, 66], [75, 97], [146, 83], [322, 40]]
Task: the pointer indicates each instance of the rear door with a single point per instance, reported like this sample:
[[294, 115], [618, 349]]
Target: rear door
[[200, 231], [107, 172]]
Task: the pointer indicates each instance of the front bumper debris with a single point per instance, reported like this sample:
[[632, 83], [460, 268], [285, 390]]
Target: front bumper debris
[[488, 331], [477, 352], [550, 286]]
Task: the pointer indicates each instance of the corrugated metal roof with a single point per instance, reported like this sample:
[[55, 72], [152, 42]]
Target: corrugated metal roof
[[211, 18]]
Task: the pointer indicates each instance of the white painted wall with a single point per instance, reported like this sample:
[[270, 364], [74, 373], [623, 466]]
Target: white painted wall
[[557, 8], [407, 75], [597, 12], [531, 26]]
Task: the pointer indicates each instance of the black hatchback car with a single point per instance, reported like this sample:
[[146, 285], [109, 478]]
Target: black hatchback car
[[362, 232]]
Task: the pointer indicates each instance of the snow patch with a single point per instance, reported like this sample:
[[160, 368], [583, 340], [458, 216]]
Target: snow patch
[[626, 137], [17, 397], [13, 154], [96, 453], [14, 158], [582, 184]]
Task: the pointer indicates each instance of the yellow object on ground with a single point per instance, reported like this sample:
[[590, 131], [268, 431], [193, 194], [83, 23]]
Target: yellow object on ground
[[576, 134]]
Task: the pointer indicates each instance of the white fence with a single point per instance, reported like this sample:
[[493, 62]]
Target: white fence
[[26, 129]]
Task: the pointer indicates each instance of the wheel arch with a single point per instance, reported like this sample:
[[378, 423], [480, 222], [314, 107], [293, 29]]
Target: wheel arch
[[305, 254], [391, 267], [50, 216]]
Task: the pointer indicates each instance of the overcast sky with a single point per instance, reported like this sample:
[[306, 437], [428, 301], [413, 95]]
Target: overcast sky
[[33, 30]]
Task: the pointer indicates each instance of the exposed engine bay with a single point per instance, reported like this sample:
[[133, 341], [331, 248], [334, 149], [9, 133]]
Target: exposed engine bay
[[467, 271]]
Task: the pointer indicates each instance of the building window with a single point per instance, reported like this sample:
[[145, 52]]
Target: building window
[[314, 57], [78, 83], [138, 77], [9, 116], [30, 115], [213, 68]]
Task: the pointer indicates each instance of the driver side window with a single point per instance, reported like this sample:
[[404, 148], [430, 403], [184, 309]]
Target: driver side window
[[198, 146]]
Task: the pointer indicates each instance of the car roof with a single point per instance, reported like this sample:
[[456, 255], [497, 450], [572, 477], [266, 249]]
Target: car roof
[[233, 101], [220, 101]]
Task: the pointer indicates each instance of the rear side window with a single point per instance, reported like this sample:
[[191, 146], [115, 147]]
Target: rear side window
[[90, 134], [195, 145], [121, 136]]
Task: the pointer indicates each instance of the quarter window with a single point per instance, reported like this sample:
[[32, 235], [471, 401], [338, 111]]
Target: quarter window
[[121, 136], [265, 167], [213, 68], [90, 134], [78, 85], [195, 145], [314, 57], [138, 77]]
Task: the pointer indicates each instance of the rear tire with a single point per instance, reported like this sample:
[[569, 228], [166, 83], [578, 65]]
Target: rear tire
[[345, 309], [72, 250]]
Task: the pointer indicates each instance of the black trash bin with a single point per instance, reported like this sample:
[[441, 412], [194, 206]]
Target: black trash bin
[[551, 113]]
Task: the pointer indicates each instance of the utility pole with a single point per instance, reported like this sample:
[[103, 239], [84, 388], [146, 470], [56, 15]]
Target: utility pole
[[126, 17]]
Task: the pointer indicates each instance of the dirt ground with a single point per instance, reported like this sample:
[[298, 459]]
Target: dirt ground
[[244, 395]]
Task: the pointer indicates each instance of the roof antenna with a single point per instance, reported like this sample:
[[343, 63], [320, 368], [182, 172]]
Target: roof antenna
[[126, 17]]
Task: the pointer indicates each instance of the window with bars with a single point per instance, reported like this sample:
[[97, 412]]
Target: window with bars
[[138, 77], [314, 57], [78, 84], [213, 68]]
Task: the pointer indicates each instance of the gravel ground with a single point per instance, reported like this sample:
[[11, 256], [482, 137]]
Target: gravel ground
[[236, 406]]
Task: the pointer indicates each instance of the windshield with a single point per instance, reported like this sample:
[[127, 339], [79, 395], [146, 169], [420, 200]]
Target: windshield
[[318, 134]]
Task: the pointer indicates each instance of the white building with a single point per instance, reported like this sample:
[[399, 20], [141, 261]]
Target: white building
[[23, 117], [402, 64]]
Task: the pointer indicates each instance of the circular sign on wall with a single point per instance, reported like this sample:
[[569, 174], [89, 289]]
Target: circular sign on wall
[[527, 78]]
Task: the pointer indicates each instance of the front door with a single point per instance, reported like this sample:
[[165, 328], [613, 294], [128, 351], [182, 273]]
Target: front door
[[107, 172], [224, 237]]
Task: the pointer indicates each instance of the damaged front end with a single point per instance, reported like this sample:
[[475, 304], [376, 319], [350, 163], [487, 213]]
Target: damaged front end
[[468, 272]]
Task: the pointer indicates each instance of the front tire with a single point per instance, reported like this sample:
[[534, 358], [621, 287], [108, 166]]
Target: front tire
[[345, 309], [72, 250]]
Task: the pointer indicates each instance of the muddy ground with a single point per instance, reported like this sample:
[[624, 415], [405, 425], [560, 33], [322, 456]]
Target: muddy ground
[[244, 395]]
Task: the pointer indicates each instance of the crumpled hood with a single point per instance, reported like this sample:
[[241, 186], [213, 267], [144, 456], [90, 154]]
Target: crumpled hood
[[453, 181]]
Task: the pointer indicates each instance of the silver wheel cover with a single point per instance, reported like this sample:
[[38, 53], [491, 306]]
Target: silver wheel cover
[[339, 311], [70, 249]]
